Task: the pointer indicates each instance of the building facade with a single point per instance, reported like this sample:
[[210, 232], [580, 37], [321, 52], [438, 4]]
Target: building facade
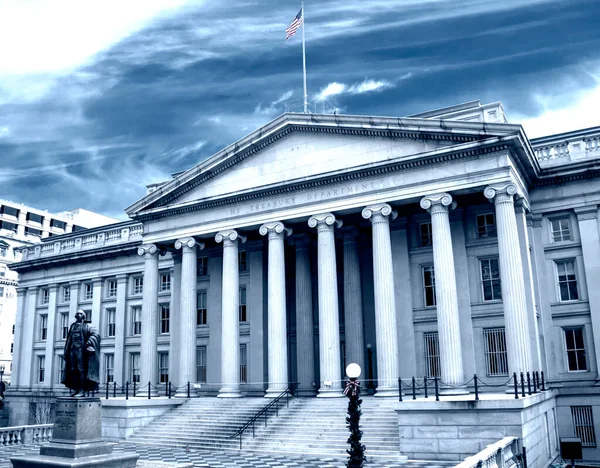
[[24, 226], [445, 244]]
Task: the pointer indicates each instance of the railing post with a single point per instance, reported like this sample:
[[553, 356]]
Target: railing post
[[476, 388], [543, 386], [169, 389], [535, 383], [414, 388], [114, 389], [524, 457], [528, 383], [253, 429], [188, 395], [127, 390], [149, 385], [522, 385], [241, 440], [516, 386], [134, 388], [437, 392], [399, 389], [106, 391], [425, 385]]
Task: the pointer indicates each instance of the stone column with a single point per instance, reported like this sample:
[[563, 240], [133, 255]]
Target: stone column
[[386, 328], [26, 373], [353, 312], [329, 322], [97, 303], [446, 297], [587, 219], [120, 330], [53, 289], [305, 350], [187, 313], [17, 377], [277, 315], [148, 356], [230, 322], [22, 219], [518, 348], [175, 318], [73, 300], [45, 229]]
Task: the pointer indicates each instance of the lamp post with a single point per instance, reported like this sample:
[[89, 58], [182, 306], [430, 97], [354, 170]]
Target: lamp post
[[2, 382], [356, 452]]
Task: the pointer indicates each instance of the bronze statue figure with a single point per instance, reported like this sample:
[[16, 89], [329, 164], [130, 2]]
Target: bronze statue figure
[[82, 357]]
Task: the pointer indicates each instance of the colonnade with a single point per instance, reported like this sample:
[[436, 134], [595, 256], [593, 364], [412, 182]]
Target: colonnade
[[380, 215]]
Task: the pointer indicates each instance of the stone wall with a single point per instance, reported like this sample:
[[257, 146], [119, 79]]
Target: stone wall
[[457, 427]]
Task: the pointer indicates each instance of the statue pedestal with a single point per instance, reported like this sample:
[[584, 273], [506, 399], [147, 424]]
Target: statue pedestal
[[77, 440]]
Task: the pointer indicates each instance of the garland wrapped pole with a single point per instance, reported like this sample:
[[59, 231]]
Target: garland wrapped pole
[[356, 452]]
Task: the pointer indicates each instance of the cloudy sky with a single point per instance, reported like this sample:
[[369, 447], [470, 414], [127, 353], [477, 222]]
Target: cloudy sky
[[100, 98]]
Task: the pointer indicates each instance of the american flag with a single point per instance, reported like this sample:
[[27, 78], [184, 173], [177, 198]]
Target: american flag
[[294, 25]]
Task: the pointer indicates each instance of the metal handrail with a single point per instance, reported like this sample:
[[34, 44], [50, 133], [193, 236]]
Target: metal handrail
[[264, 411]]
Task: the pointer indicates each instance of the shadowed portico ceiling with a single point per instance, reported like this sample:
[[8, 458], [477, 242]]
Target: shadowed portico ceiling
[[459, 139]]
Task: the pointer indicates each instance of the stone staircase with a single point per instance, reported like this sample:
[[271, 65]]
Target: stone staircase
[[310, 426]]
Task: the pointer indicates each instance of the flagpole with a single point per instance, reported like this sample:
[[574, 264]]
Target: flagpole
[[304, 61]]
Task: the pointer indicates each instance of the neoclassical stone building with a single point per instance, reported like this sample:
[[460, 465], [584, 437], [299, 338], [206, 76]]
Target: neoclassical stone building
[[445, 244]]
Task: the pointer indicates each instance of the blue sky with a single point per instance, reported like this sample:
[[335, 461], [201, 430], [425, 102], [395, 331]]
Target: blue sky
[[98, 99]]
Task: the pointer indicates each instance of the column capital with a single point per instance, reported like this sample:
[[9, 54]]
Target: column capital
[[121, 278], [586, 212], [97, 280], [436, 203], [188, 243], [228, 237], [21, 291], [276, 230], [150, 249], [324, 222], [53, 286], [501, 192], [379, 213], [534, 220]]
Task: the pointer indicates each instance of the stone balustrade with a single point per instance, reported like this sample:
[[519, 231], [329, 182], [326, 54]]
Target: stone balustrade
[[565, 148], [20, 435], [501, 454], [111, 235]]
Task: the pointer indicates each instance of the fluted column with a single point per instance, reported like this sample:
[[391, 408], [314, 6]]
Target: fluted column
[[277, 322], [50, 335], [16, 375], [305, 351], [120, 370], [386, 328], [187, 313], [148, 356], [329, 322], [230, 325], [511, 278], [446, 296], [175, 344], [353, 312]]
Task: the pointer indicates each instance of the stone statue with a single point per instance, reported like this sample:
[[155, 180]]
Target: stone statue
[[82, 357]]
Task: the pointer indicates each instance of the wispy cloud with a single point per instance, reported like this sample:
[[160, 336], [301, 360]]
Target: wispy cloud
[[366, 86]]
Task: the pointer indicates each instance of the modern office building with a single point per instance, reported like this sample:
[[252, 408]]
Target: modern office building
[[445, 244]]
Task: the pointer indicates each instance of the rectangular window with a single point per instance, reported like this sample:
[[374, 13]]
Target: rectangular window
[[490, 279], [2, 267], [88, 291], [202, 310], [136, 320], [486, 225], [243, 266], [60, 369], [88, 316], [66, 293], [45, 296], [243, 364], [134, 367], [576, 357], [137, 286], [561, 230], [165, 282], [58, 224], [110, 322], [242, 308], [41, 368], [8, 226], [164, 312], [43, 327], [583, 425], [432, 354], [201, 364], [567, 280], [426, 240], [429, 285], [111, 288], [202, 266], [1, 291], [496, 360], [109, 368], [64, 326], [34, 218], [163, 367]]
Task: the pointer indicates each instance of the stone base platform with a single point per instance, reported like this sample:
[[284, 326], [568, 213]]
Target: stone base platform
[[459, 426], [113, 460]]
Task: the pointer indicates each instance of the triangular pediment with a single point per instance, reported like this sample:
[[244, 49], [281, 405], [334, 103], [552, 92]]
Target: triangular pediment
[[301, 147]]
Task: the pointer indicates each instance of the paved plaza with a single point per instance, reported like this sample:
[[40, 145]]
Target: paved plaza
[[226, 459]]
